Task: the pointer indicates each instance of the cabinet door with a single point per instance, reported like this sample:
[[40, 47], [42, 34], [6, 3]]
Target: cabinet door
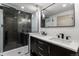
[[60, 51], [55, 51], [33, 43], [39, 47], [33, 46], [43, 48]]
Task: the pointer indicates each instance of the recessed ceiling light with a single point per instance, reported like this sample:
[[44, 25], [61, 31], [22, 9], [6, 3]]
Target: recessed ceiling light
[[22, 7], [64, 5]]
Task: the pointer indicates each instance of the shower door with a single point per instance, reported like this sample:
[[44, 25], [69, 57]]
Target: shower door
[[17, 27], [1, 30]]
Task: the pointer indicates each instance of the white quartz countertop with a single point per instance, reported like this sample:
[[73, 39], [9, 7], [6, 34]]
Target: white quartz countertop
[[71, 45]]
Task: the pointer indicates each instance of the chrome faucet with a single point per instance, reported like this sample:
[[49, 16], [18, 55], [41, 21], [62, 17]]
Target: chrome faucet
[[43, 33], [62, 36]]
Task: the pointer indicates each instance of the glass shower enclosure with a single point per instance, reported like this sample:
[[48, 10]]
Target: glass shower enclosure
[[15, 27]]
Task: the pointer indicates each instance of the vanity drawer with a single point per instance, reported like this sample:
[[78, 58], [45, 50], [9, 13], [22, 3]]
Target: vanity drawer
[[42, 43]]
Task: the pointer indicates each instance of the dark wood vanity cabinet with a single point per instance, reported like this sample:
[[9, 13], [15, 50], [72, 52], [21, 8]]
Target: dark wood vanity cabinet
[[39, 47], [42, 48], [60, 51]]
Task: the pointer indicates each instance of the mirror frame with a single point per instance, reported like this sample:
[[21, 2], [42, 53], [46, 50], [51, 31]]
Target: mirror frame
[[60, 26]]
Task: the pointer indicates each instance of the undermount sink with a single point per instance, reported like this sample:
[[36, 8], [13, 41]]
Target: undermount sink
[[41, 35], [48, 37], [62, 40]]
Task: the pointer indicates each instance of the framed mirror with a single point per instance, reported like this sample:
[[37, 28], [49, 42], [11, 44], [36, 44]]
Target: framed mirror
[[58, 15]]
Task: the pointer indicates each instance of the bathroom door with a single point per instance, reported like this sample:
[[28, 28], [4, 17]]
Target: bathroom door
[[1, 30]]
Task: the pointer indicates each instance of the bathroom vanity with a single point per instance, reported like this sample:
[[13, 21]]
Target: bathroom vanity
[[41, 45]]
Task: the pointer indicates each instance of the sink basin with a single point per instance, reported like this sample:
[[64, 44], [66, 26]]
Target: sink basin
[[48, 37], [61, 40], [43, 36]]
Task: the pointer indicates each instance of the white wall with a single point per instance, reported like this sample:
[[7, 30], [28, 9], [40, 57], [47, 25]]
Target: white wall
[[71, 31]]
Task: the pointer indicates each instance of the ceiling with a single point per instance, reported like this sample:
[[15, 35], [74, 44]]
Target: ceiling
[[58, 8], [32, 7], [28, 7]]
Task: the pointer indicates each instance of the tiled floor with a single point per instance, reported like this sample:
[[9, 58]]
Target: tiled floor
[[22, 51]]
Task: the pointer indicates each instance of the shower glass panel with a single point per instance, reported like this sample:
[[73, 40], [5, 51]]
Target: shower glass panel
[[1, 30], [16, 28]]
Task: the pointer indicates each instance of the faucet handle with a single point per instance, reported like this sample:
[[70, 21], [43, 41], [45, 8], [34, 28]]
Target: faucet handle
[[58, 36], [67, 37]]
